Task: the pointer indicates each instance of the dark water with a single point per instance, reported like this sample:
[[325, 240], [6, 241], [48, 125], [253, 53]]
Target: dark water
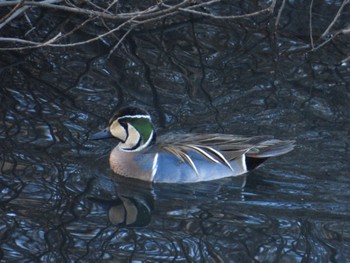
[[59, 202]]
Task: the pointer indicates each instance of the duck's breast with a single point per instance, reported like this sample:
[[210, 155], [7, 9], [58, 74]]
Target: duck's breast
[[133, 164]]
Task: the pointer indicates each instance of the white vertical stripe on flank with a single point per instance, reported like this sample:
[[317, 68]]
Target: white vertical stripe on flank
[[154, 165]]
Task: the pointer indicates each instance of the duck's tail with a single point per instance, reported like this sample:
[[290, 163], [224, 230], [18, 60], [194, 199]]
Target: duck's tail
[[266, 149]]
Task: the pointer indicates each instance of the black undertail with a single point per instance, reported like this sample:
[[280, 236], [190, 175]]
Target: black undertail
[[252, 162]]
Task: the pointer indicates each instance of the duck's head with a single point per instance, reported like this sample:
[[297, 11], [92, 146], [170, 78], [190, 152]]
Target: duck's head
[[132, 127]]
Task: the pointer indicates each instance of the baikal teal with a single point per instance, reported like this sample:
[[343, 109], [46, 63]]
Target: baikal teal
[[182, 158]]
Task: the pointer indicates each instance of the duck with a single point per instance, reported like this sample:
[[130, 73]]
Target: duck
[[182, 157]]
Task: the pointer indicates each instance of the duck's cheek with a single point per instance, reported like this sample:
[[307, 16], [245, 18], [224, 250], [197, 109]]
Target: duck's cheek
[[118, 131], [133, 140]]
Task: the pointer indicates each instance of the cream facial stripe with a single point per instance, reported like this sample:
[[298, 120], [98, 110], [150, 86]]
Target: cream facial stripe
[[118, 131], [132, 140]]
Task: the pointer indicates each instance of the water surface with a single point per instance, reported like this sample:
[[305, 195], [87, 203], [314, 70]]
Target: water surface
[[60, 202]]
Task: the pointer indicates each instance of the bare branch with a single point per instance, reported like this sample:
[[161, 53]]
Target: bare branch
[[333, 36], [53, 4], [345, 60], [17, 40], [310, 25], [119, 42], [279, 14], [14, 13], [326, 32], [345, 31], [150, 14], [50, 42], [189, 10], [101, 12]]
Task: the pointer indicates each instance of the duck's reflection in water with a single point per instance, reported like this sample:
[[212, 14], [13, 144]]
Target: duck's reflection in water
[[131, 203]]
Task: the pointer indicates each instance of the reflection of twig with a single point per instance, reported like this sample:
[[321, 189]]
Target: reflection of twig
[[279, 14], [326, 32], [310, 25], [344, 31]]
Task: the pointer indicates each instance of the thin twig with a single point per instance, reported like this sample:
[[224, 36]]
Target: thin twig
[[345, 31], [203, 4], [81, 25], [326, 32], [51, 44], [310, 25], [326, 41], [15, 14], [120, 41], [30, 23], [266, 10], [111, 5], [15, 2], [104, 10], [50, 41], [12, 11], [17, 40], [279, 15], [345, 60], [51, 4]]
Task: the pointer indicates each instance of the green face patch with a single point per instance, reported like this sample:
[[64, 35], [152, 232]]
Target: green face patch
[[142, 124]]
